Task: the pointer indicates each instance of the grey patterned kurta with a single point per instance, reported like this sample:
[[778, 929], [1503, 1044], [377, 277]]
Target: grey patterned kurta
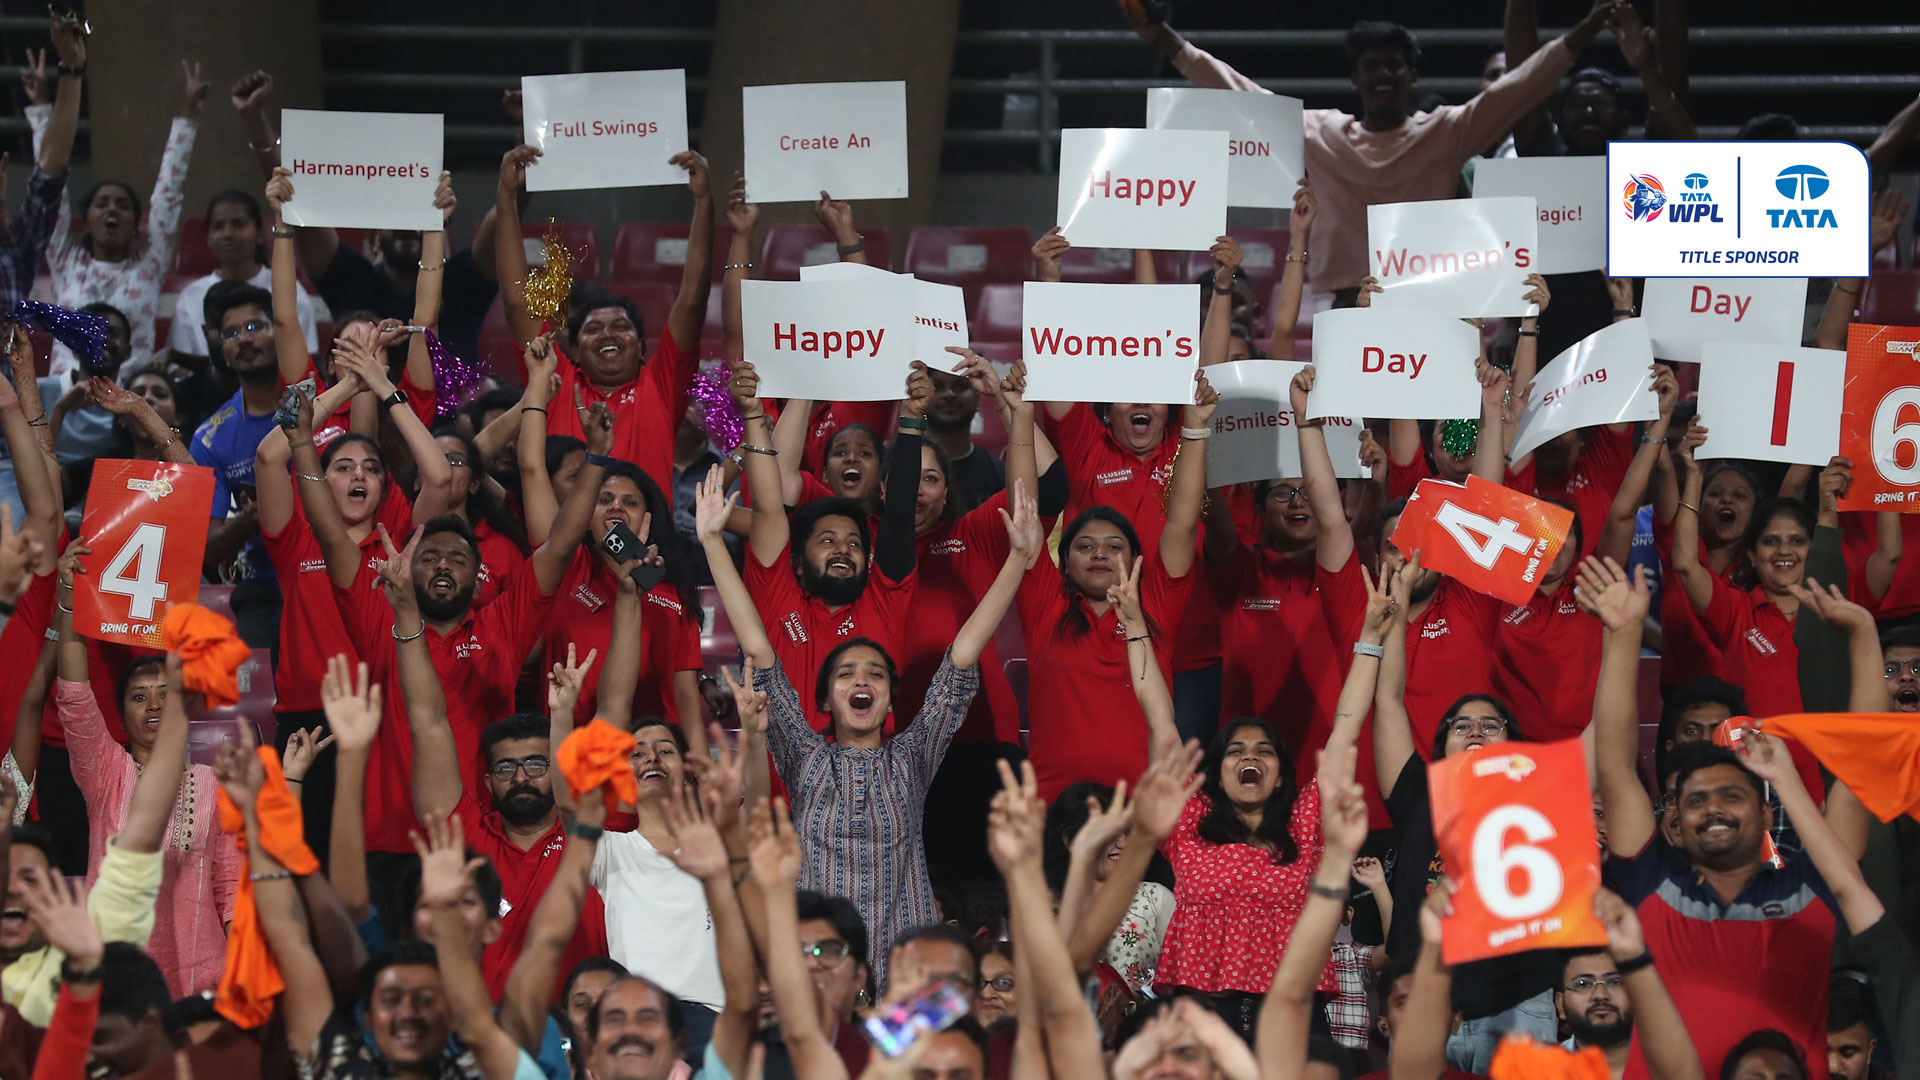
[[859, 812]]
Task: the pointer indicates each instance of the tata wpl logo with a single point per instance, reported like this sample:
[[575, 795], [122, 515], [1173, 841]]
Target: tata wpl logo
[[1802, 183], [1696, 203]]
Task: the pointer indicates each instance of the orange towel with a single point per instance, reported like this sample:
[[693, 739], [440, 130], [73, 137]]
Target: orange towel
[[1520, 1058], [596, 756], [1728, 734], [210, 652], [1877, 755], [251, 980]]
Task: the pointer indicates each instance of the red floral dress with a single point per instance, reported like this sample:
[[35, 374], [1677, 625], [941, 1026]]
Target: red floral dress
[[1234, 909]]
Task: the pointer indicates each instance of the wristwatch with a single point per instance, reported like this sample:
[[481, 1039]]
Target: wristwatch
[[398, 397]]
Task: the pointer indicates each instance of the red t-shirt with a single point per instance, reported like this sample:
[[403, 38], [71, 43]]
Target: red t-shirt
[[311, 628], [1449, 655], [1086, 723], [583, 615], [1402, 479], [1686, 651], [803, 630], [499, 558], [1102, 472], [478, 664], [525, 877], [1758, 654], [646, 411], [1858, 542], [1287, 629], [1546, 662], [956, 563], [1590, 485]]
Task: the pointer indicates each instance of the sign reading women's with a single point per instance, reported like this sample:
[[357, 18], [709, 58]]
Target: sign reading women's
[[1468, 258], [846, 138], [1266, 137], [848, 340], [1158, 190], [362, 170], [1514, 825], [605, 129], [146, 523], [1880, 418], [1132, 342]]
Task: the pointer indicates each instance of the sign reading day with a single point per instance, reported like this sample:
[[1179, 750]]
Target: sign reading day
[[1399, 367]]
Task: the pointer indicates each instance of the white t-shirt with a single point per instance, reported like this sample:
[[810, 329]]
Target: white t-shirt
[[658, 924], [190, 311]]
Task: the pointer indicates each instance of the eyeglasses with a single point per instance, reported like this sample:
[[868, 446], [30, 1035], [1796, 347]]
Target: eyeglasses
[[1586, 984], [1287, 493], [1002, 983], [1477, 725], [832, 951], [1894, 666], [535, 767], [251, 326]]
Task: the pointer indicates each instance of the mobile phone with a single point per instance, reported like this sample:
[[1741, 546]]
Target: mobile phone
[[929, 1011], [621, 545]]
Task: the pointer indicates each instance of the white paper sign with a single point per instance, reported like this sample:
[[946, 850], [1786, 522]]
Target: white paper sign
[[1394, 366], [1771, 402], [1605, 378], [1254, 436], [362, 170], [1266, 148], [1747, 209], [605, 129], [1571, 193], [1465, 258], [1089, 342], [830, 340], [1158, 190], [939, 311], [1683, 314], [847, 138]]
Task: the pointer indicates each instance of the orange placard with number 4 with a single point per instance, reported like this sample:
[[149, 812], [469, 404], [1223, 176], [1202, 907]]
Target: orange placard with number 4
[[1880, 418], [1490, 538], [146, 522], [1514, 824]]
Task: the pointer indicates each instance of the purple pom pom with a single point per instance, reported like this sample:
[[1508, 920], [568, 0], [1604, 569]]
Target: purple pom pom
[[719, 413], [452, 377], [85, 335]]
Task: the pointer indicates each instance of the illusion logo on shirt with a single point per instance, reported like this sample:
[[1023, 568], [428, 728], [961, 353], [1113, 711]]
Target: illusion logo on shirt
[[588, 598], [1435, 629], [467, 648], [846, 627], [1760, 643], [796, 630]]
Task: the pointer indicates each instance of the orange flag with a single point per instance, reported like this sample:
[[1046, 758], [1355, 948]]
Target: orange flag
[[210, 652], [1877, 755], [596, 756], [1520, 1058], [251, 980]]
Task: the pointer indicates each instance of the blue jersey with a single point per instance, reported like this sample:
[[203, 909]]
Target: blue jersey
[[226, 443]]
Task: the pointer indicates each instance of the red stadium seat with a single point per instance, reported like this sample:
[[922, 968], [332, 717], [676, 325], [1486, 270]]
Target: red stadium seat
[[210, 729], [191, 255], [580, 239], [996, 315], [496, 345], [657, 251], [787, 248], [970, 256], [654, 299], [1114, 266], [1893, 298]]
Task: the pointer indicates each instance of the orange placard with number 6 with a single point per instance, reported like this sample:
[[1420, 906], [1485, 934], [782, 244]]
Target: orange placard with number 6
[[146, 523], [1514, 823], [1490, 538], [1880, 418]]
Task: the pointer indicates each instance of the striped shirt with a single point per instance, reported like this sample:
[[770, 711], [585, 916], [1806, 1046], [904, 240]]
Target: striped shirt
[[860, 811]]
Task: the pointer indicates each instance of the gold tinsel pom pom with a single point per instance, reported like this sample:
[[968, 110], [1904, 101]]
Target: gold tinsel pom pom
[[548, 286]]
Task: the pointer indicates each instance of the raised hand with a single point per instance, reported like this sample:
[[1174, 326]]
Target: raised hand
[[1226, 259], [1381, 605], [749, 704], [303, 746], [1205, 400], [352, 704], [33, 77], [691, 819], [238, 769], [1163, 790], [249, 92], [1537, 292], [1832, 605], [1625, 940], [396, 570], [279, 190], [565, 681], [1017, 819], [1103, 825], [1343, 803], [1297, 391], [744, 385], [1232, 1057], [835, 217], [725, 776], [445, 869], [512, 107], [68, 567], [1636, 43], [1434, 912], [1400, 587], [1368, 286], [1047, 253], [596, 423], [1024, 536], [443, 198], [513, 167], [1372, 454], [977, 371], [696, 167], [1602, 589], [1666, 388], [60, 911], [773, 851], [1620, 291], [1695, 437], [742, 215], [1493, 382], [19, 553], [712, 505], [196, 90], [1368, 872], [919, 391], [1139, 1053], [1305, 209], [1889, 210], [1768, 758], [1835, 480], [1125, 595]]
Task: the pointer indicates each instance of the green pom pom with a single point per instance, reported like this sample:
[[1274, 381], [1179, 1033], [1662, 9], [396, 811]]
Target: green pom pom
[[1457, 437]]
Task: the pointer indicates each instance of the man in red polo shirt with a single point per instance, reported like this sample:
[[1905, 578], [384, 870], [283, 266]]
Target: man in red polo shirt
[[825, 591], [607, 336], [477, 654]]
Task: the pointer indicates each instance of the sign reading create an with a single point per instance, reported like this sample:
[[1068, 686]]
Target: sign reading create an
[[1158, 190], [1266, 149], [1606, 378], [1683, 314], [1571, 195], [939, 310], [1133, 342], [849, 139], [1468, 258], [1745, 209], [1771, 402], [1254, 433], [1398, 367], [362, 170], [605, 129], [846, 340]]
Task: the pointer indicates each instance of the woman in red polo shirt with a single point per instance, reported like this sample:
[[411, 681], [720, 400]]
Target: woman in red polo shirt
[[1086, 723]]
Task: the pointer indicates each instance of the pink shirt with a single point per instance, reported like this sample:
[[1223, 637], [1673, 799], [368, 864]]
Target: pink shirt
[[202, 863], [1353, 168]]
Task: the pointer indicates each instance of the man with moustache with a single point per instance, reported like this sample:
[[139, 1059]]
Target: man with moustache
[[636, 1032], [1593, 1003], [242, 314]]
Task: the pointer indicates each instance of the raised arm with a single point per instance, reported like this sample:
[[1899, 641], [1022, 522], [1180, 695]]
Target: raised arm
[[429, 287], [895, 547], [694, 818], [775, 862], [523, 1003], [274, 483], [537, 503], [712, 504], [353, 710], [1419, 1050], [1662, 1033], [56, 144], [551, 558], [1293, 279], [1616, 539], [1392, 731], [27, 720], [509, 257], [430, 462], [289, 340], [1603, 589], [337, 546], [1335, 546], [1216, 330], [249, 97], [436, 760], [769, 535], [620, 676], [1520, 39], [1187, 491], [1149, 684], [689, 312], [1666, 117], [741, 218], [1025, 541], [446, 875], [34, 470], [1695, 576], [1158, 799]]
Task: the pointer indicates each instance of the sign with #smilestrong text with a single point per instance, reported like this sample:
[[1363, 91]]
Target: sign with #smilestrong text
[[1737, 209], [605, 129], [1254, 433]]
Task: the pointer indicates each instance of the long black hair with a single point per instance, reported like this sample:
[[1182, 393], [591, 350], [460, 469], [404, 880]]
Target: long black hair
[[1221, 824], [952, 509], [1074, 622], [673, 547], [1499, 709], [483, 505], [1748, 576]]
